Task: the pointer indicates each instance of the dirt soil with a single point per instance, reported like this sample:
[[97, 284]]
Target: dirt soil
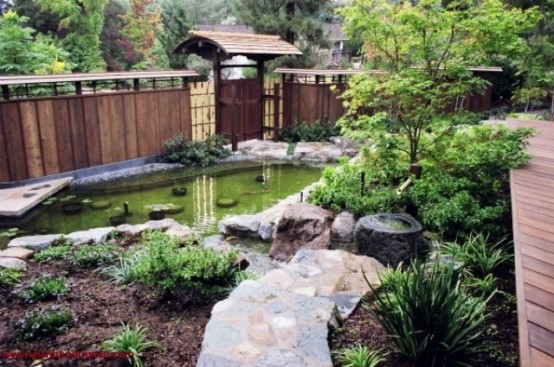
[[499, 339], [99, 308]]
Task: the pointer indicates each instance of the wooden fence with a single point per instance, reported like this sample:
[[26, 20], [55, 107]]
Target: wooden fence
[[45, 136]]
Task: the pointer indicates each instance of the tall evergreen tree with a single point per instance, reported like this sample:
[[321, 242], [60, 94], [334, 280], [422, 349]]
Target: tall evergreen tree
[[298, 21], [113, 44], [84, 20], [175, 30]]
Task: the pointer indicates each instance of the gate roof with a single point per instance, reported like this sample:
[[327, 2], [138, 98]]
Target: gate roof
[[253, 46]]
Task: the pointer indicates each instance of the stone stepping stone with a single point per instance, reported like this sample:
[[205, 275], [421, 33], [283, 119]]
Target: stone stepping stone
[[16, 252], [13, 263]]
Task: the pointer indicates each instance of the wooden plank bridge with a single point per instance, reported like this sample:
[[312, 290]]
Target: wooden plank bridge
[[533, 216]]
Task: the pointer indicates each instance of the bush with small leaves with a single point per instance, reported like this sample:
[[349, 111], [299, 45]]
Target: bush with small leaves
[[171, 269], [195, 153], [361, 356], [43, 289], [309, 132], [95, 255], [44, 322], [10, 277], [54, 253], [131, 341]]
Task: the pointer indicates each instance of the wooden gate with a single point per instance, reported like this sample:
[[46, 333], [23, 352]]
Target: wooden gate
[[240, 110]]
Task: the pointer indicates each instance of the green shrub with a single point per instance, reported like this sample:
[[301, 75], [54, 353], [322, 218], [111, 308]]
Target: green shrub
[[479, 256], [54, 253], [44, 322], [192, 270], [195, 153], [360, 357], [344, 189], [306, 132], [465, 181], [43, 289], [95, 255], [431, 320], [10, 277], [131, 341]]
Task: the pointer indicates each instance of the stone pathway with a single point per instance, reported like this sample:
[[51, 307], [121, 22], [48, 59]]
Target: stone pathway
[[284, 318]]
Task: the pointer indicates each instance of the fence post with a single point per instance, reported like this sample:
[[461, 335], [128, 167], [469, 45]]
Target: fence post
[[276, 98], [234, 103]]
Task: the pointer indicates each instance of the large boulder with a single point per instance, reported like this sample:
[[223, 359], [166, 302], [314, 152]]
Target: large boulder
[[301, 226], [390, 238]]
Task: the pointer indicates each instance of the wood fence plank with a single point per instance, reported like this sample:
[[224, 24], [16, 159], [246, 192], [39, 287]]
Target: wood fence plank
[[539, 297], [5, 175], [538, 280], [78, 135], [104, 128], [538, 266], [33, 152], [14, 141], [117, 124], [131, 136], [45, 112], [92, 131], [164, 123], [63, 135], [142, 123], [185, 112]]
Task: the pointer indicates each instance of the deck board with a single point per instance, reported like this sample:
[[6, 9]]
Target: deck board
[[533, 217]]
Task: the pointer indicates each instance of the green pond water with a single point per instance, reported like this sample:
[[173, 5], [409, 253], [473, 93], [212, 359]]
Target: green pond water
[[145, 193]]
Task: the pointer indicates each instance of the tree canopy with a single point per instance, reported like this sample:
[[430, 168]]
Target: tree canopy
[[424, 51], [297, 21]]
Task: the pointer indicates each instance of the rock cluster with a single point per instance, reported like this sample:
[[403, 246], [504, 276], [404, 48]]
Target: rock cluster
[[21, 248]]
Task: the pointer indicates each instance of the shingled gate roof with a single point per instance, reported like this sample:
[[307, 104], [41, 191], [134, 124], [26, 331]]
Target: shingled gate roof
[[253, 46]]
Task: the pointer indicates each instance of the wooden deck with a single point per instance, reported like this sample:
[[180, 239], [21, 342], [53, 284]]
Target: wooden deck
[[533, 217]]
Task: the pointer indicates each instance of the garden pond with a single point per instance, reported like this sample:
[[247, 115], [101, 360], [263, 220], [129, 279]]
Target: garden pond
[[188, 195]]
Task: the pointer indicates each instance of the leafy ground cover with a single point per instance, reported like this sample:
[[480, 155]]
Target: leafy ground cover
[[169, 330]]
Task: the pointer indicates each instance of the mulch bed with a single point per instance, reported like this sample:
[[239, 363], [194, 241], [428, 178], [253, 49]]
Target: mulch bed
[[499, 339], [99, 308]]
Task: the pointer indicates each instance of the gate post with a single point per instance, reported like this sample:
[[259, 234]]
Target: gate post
[[234, 103], [276, 98]]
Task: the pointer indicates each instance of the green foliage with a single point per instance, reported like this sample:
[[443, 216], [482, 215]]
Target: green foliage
[[191, 271], [113, 45], [242, 275], [301, 18], [142, 23], [479, 255], [95, 255], [54, 253], [23, 53], [305, 132], [484, 287], [10, 277], [342, 187], [430, 318], [132, 341], [425, 50], [200, 65], [175, 30], [360, 357], [195, 153], [44, 322], [43, 289], [83, 20], [465, 181], [124, 271]]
